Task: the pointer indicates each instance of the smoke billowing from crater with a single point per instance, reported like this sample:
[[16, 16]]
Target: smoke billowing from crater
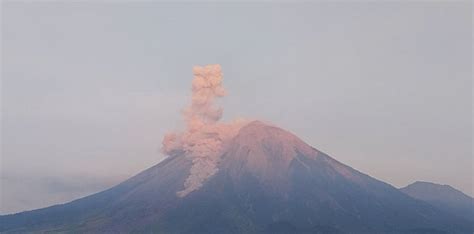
[[204, 138]]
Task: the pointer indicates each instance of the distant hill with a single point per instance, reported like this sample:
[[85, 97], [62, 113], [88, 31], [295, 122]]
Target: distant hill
[[443, 197], [267, 181]]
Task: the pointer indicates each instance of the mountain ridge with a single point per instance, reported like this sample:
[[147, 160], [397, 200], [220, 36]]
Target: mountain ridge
[[268, 181], [444, 197]]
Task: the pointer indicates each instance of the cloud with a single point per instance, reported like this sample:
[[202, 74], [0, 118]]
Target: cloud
[[204, 138]]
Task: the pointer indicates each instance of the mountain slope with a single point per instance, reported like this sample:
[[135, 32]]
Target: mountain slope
[[110, 210], [268, 181], [443, 197]]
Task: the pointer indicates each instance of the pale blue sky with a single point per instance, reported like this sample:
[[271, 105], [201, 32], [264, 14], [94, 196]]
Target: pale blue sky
[[89, 89]]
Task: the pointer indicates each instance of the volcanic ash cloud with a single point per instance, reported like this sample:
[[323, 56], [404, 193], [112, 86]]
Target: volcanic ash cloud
[[204, 138]]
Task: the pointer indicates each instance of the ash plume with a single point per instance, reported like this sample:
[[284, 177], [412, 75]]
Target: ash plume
[[204, 138]]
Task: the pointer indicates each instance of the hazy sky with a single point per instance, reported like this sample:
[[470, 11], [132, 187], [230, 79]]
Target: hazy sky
[[89, 89]]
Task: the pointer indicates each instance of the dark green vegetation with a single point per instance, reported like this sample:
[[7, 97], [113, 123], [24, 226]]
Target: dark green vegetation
[[268, 181]]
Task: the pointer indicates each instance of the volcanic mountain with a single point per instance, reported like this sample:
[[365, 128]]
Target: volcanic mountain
[[267, 181]]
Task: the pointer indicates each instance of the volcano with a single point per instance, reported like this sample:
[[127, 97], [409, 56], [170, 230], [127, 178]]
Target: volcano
[[267, 180]]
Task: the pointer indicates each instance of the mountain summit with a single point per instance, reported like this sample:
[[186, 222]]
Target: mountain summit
[[265, 180]]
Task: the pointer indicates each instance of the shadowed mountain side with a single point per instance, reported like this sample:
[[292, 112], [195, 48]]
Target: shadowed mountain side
[[269, 181], [443, 197], [112, 209]]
